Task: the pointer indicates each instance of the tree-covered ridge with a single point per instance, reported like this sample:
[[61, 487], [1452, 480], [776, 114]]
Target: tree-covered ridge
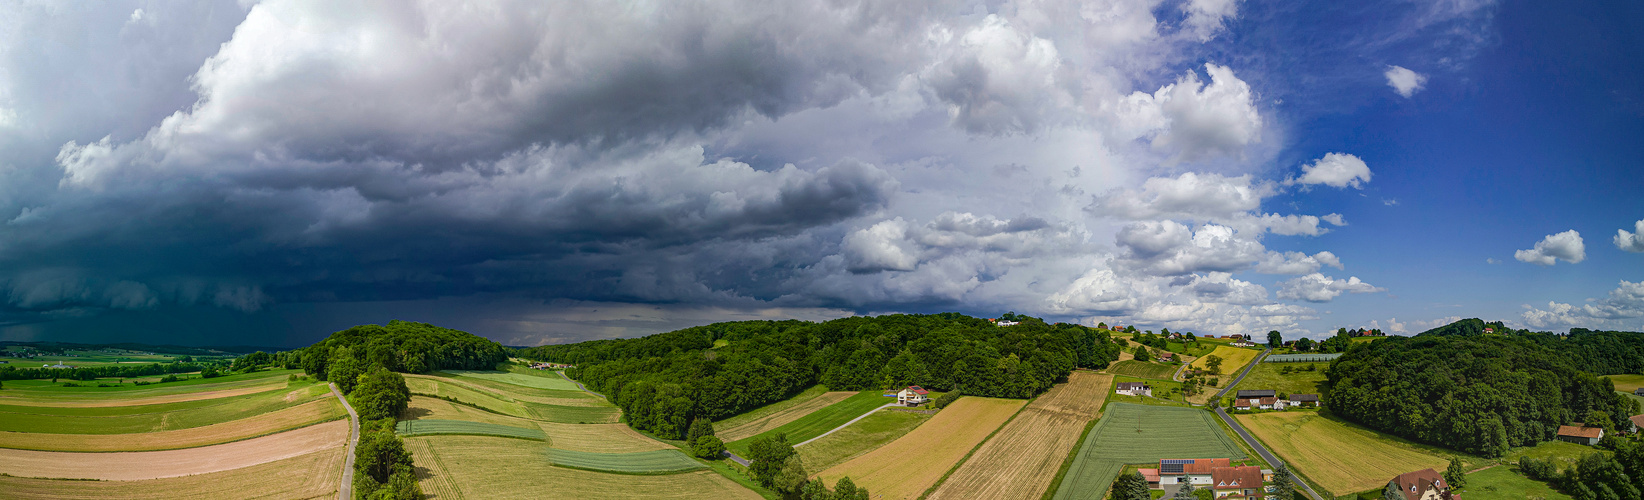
[[404, 346], [1598, 352], [662, 382], [1475, 393]]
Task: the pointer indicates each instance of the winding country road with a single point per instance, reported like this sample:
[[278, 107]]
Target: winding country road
[[1251, 440], [346, 491]]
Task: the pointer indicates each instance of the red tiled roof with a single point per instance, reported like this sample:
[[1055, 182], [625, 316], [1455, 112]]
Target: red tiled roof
[[1417, 483], [1152, 475], [1269, 401], [1236, 478], [1203, 465], [1638, 420], [1581, 431], [918, 390]]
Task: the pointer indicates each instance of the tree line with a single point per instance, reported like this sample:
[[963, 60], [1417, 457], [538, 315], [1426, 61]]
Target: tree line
[[110, 371], [1476, 393], [663, 382]]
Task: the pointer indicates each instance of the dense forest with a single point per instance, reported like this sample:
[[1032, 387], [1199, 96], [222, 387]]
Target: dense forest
[[1598, 352], [1472, 392], [664, 381], [402, 346]]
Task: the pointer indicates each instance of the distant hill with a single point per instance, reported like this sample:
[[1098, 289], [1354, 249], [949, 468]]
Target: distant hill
[[157, 349], [403, 346], [664, 381], [1594, 351]]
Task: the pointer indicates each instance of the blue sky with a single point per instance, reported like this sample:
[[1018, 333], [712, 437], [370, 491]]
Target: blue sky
[[263, 173]]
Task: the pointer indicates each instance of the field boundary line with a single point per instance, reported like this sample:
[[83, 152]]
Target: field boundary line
[[1067, 462], [345, 490], [962, 460], [579, 384], [846, 424], [445, 473]]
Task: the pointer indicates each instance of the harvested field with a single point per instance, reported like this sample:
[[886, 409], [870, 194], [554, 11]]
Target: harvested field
[[574, 414], [763, 411], [1627, 383], [780, 418], [820, 421], [862, 437], [314, 475], [554, 382], [905, 468], [1337, 456], [446, 388], [644, 462], [1139, 369], [152, 418], [487, 467], [128, 399], [132, 466], [435, 427], [36, 392], [1136, 434], [1233, 359], [523, 393], [599, 438], [298, 416], [424, 407], [1022, 459]]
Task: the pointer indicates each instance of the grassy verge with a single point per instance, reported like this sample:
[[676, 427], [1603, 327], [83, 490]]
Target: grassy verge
[[818, 422]]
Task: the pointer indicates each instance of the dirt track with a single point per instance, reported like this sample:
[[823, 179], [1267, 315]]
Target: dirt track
[[130, 466]]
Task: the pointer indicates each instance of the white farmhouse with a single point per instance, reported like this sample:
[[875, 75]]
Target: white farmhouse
[[912, 396]]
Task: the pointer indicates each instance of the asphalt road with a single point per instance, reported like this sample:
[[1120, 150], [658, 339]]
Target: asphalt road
[[346, 492], [1251, 440]]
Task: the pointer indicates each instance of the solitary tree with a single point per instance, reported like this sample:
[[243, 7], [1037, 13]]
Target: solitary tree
[[1185, 492], [1284, 486], [1131, 486], [708, 447], [1274, 339], [1214, 362], [1141, 353], [1455, 475], [1391, 492]]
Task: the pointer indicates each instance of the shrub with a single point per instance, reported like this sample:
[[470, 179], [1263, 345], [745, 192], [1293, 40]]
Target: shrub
[[708, 447]]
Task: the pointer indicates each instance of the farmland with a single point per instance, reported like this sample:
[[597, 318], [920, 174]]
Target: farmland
[[765, 411], [313, 475], [1503, 483], [46, 393], [1627, 383], [860, 438], [1138, 369], [1340, 457], [1272, 376], [539, 380], [1021, 460], [819, 421], [303, 415], [597, 412], [1134, 434], [771, 420], [428, 427], [1165, 393], [643, 462], [490, 467], [161, 464], [908, 466], [1233, 359], [151, 418]]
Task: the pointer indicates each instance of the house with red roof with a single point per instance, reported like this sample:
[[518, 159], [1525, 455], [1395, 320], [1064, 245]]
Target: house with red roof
[[1580, 434], [1237, 482], [913, 396], [1425, 484], [1196, 471]]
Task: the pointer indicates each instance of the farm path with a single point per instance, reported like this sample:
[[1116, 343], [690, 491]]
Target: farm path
[[734, 458], [579, 384], [345, 492], [846, 424], [1257, 445]]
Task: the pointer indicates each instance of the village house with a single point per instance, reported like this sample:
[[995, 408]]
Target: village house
[[1638, 422], [1133, 389], [1639, 391], [1195, 471], [1238, 482], [1152, 477], [1166, 356], [549, 366], [912, 396], [1580, 434], [1425, 484], [1300, 400]]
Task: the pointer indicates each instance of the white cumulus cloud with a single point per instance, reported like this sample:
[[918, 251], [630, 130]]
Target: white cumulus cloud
[[1631, 241], [1566, 246], [1336, 170], [1320, 288], [1404, 81]]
